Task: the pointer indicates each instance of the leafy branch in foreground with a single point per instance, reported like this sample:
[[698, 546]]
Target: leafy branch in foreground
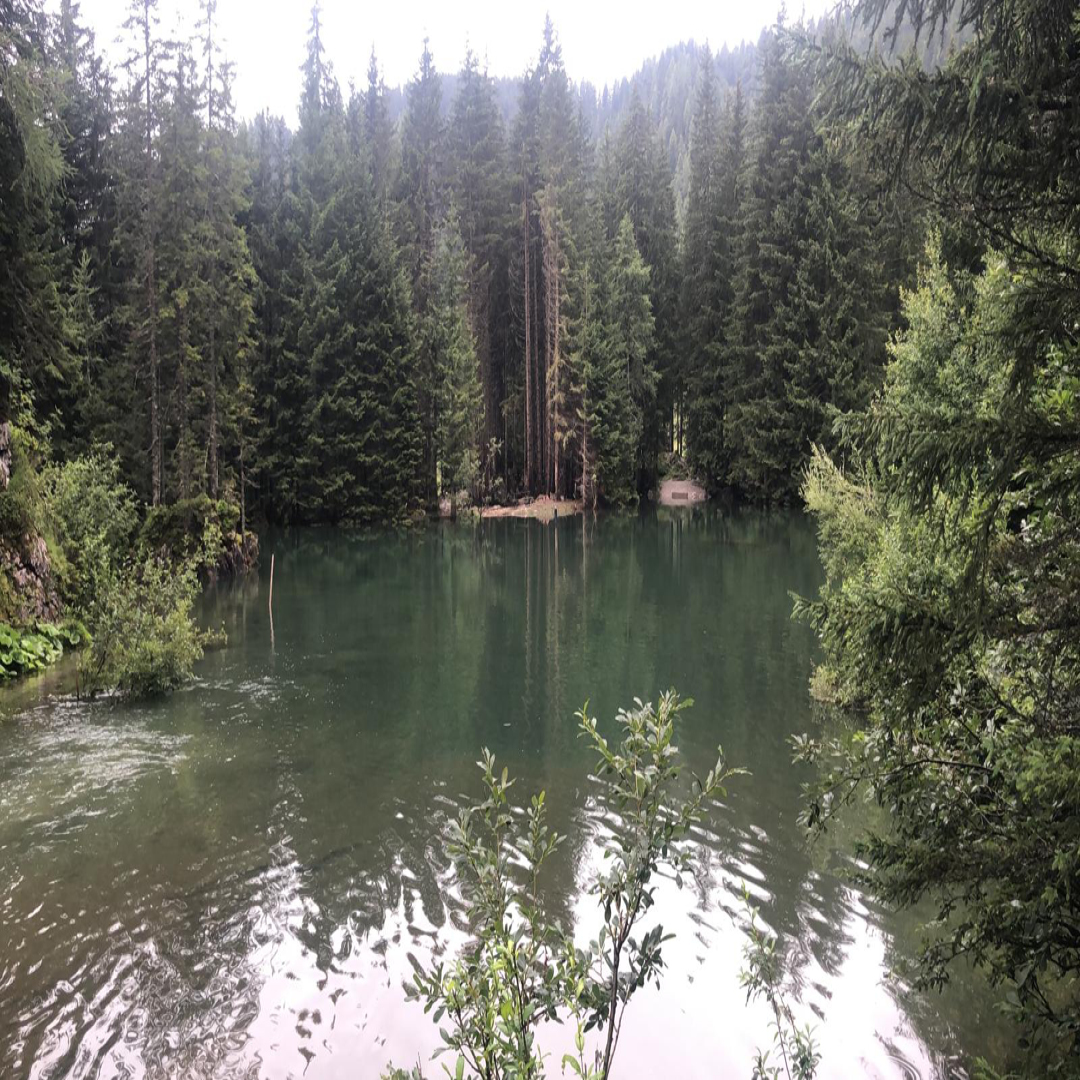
[[763, 976], [523, 967], [640, 780]]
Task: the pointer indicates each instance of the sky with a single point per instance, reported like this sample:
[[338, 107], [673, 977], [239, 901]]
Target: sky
[[601, 41]]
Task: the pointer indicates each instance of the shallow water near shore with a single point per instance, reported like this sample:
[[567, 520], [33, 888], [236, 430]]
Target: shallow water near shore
[[234, 881]]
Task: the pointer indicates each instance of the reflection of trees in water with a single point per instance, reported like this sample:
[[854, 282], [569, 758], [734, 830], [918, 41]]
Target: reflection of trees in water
[[303, 832], [965, 1013], [503, 631]]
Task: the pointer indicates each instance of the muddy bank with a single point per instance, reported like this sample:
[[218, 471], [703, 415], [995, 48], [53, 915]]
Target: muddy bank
[[543, 509]]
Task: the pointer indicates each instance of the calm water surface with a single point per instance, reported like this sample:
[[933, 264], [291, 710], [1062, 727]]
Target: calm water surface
[[231, 882]]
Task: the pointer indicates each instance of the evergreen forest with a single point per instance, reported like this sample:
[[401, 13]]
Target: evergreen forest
[[837, 269], [544, 292]]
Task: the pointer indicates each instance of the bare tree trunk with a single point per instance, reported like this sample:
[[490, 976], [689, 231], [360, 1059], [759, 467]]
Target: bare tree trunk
[[528, 343], [182, 406], [586, 479], [151, 284], [212, 440], [549, 338], [557, 365], [243, 493]]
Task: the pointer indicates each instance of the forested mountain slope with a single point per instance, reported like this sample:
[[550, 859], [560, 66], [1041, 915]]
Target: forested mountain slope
[[485, 286]]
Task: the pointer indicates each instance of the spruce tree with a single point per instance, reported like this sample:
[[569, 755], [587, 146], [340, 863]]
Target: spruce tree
[[227, 270], [481, 189], [86, 214], [365, 435], [643, 191], [764, 343], [182, 292], [379, 136], [140, 225], [35, 362], [703, 304], [277, 234], [840, 310], [624, 392], [450, 338], [420, 192]]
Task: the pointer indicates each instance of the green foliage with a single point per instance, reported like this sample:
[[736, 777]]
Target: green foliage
[[948, 617], [21, 496], [365, 437], [763, 977], [145, 640], [640, 780], [92, 516], [522, 968], [623, 382], [190, 529], [133, 611], [459, 399], [717, 153], [25, 651]]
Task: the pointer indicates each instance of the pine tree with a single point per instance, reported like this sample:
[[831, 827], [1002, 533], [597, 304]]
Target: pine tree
[[379, 136], [643, 191], [421, 196], [364, 431], [702, 300], [839, 307], [763, 344], [276, 230], [624, 390], [551, 195], [228, 273], [182, 292], [450, 338], [141, 217], [480, 185], [86, 222], [35, 362], [709, 296]]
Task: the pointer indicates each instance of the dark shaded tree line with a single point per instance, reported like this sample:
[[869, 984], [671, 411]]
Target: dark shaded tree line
[[347, 321]]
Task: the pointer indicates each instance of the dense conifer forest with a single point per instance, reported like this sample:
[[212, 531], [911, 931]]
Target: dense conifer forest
[[504, 288], [837, 267]]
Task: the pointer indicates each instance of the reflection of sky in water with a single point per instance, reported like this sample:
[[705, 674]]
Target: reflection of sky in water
[[236, 880]]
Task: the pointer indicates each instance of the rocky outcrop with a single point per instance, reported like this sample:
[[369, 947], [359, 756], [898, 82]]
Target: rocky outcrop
[[5, 455], [27, 571], [238, 555]]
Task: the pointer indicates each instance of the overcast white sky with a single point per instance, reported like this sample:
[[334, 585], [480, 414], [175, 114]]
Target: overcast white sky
[[602, 41]]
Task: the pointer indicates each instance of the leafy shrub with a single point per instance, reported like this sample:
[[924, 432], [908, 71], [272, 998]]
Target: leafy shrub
[[92, 516], [20, 500], [522, 967], [202, 529], [145, 640], [763, 977], [180, 527]]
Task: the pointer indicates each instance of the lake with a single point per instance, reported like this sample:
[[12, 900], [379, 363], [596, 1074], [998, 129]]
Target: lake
[[231, 882]]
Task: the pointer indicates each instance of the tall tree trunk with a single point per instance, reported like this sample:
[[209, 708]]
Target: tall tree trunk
[[546, 262], [243, 493], [212, 440], [585, 480], [527, 477], [182, 406], [556, 372], [151, 284]]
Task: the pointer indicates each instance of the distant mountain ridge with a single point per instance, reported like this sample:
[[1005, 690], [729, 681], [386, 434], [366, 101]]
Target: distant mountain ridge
[[664, 83]]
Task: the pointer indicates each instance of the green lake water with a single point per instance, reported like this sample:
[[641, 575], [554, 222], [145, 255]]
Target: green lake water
[[232, 881]]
